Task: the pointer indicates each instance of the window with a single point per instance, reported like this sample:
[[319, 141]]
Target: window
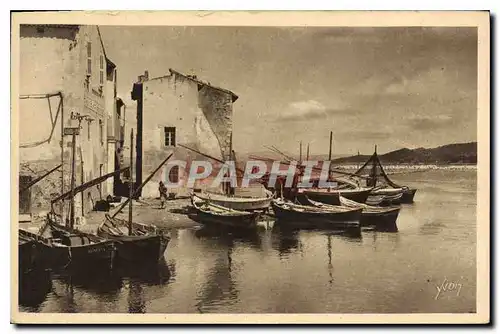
[[101, 132], [89, 58], [101, 70], [173, 175], [169, 136]]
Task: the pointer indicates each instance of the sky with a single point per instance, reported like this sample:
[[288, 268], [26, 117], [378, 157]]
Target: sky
[[391, 87]]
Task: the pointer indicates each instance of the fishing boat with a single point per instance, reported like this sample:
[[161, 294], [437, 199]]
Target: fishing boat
[[211, 213], [331, 195], [28, 254], [377, 175], [338, 217], [384, 200], [381, 218], [63, 247], [145, 244], [239, 202], [135, 242]]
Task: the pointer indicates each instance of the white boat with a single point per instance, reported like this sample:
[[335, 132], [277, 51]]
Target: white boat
[[238, 202]]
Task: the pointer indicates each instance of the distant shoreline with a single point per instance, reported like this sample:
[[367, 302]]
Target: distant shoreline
[[412, 167]]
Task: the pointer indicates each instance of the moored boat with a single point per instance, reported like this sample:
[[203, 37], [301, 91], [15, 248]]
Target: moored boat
[[408, 195], [331, 196], [383, 219], [145, 244], [63, 247], [27, 254], [211, 213], [384, 200], [238, 202], [338, 217], [377, 176]]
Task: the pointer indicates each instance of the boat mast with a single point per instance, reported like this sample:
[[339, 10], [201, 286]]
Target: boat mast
[[130, 188], [374, 168], [330, 157], [72, 132], [300, 151], [72, 212], [330, 151]]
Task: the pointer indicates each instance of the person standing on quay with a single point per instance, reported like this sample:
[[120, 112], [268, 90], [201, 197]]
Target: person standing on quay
[[163, 194]]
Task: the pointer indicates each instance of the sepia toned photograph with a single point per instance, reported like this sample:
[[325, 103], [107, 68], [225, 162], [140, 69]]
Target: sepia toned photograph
[[232, 167]]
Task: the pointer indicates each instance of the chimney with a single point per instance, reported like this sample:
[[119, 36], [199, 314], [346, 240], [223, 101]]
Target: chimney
[[143, 77]]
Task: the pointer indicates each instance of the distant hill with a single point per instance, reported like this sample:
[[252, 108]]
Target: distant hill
[[447, 154]]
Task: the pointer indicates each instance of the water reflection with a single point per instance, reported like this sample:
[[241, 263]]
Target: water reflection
[[33, 289], [284, 240], [330, 266], [136, 301], [226, 236], [287, 270], [219, 287]]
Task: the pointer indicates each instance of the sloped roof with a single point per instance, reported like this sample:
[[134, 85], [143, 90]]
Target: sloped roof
[[194, 79]]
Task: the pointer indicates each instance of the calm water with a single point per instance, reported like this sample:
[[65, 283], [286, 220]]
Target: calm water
[[278, 270]]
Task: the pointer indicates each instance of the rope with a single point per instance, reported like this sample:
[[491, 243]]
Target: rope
[[70, 258], [54, 123]]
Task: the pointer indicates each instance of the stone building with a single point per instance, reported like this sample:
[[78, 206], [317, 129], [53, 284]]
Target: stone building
[[179, 109], [70, 62]]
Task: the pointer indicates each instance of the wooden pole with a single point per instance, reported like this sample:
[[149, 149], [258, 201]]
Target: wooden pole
[[62, 155], [38, 179], [130, 188], [300, 151], [330, 151], [307, 158], [136, 191], [72, 212]]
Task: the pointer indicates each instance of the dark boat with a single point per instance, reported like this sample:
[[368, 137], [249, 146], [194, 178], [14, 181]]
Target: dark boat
[[28, 254], [384, 219], [63, 247], [337, 218], [408, 195], [331, 196], [377, 176], [145, 244], [209, 213], [135, 242]]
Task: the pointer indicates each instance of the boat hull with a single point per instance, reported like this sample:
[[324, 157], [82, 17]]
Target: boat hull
[[79, 257], [209, 213], [408, 196], [248, 221], [382, 221], [347, 221], [75, 251], [384, 200], [138, 248], [238, 203], [28, 256], [333, 197], [387, 191]]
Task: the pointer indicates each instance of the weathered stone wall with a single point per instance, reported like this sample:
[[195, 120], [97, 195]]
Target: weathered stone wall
[[177, 101], [52, 60], [217, 106]]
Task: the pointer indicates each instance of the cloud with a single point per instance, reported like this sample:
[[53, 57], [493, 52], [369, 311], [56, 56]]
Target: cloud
[[312, 109], [302, 110], [421, 122]]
